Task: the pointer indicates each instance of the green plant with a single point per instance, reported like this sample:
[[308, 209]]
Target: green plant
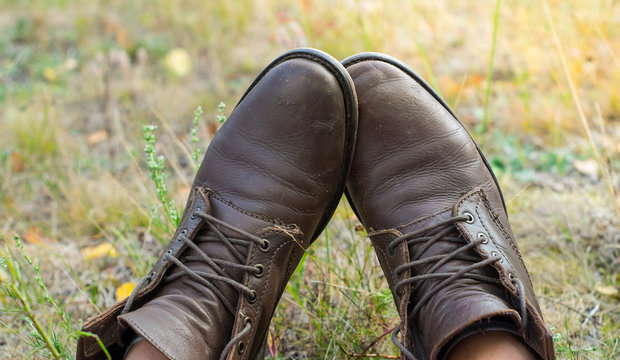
[[220, 113], [156, 166], [30, 297], [194, 134], [487, 94]]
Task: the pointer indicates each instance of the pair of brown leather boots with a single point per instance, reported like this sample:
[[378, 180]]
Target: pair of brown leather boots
[[268, 185]]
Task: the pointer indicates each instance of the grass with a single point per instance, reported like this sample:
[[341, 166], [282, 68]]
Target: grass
[[78, 80]]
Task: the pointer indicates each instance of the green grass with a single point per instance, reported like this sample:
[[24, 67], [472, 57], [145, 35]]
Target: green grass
[[79, 80]]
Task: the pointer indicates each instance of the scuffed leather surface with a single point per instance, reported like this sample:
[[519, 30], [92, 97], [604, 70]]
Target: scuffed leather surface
[[192, 312], [280, 152], [414, 162], [275, 169]]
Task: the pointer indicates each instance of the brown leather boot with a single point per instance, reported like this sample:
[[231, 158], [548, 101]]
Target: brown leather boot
[[435, 215], [269, 183]]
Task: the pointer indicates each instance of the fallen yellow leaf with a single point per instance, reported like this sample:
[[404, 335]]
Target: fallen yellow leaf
[[95, 252], [35, 236], [124, 290], [96, 137], [179, 62], [17, 162], [49, 74], [606, 290]]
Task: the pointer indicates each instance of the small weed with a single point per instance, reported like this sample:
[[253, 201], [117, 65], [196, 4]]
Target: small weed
[[156, 163], [30, 297], [521, 159], [194, 134], [220, 113]]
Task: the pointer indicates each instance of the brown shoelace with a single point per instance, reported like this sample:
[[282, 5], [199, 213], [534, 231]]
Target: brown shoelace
[[429, 236], [218, 265]]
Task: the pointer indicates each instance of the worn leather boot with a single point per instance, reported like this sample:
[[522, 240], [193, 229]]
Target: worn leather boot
[[436, 218], [269, 183]]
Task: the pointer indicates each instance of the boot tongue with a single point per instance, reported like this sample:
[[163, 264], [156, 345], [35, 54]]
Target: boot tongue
[[456, 303], [215, 248]]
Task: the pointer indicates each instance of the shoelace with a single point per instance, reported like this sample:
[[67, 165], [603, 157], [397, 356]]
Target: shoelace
[[207, 278], [422, 236]]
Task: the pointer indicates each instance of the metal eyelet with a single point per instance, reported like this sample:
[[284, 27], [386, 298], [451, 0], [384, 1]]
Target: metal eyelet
[[260, 271], [247, 321], [264, 245], [241, 347], [510, 276], [184, 232], [483, 236], [470, 218], [252, 297]]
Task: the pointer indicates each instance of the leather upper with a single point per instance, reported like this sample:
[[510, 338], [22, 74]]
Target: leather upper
[[415, 167], [268, 184]]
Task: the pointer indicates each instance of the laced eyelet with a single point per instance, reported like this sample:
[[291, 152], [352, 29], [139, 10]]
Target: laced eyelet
[[485, 239], [241, 347], [252, 297], [247, 321], [264, 245], [470, 218], [390, 251], [260, 271], [510, 276], [184, 232], [495, 254]]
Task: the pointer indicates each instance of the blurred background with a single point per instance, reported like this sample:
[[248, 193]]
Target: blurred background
[[106, 108]]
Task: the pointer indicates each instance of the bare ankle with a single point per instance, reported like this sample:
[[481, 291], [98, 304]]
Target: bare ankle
[[496, 345], [144, 350]]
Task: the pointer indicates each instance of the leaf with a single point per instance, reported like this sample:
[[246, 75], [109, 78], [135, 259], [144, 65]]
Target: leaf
[[587, 167], [17, 162], [96, 252], [96, 137], [35, 236], [179, 62], [606, 290], [124, 290], [50, 74]]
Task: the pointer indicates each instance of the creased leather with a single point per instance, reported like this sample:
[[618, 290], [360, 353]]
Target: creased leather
[[415, 166], [276, 170]]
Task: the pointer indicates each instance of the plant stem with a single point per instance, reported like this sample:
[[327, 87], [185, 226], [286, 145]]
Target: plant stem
[[487, 94], [32, 318]]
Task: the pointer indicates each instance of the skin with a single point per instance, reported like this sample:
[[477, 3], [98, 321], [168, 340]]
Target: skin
[[492, 346], [145, 351], [489, 346]]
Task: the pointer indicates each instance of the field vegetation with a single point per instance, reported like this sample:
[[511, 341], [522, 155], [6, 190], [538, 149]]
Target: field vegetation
[[107, 106]]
